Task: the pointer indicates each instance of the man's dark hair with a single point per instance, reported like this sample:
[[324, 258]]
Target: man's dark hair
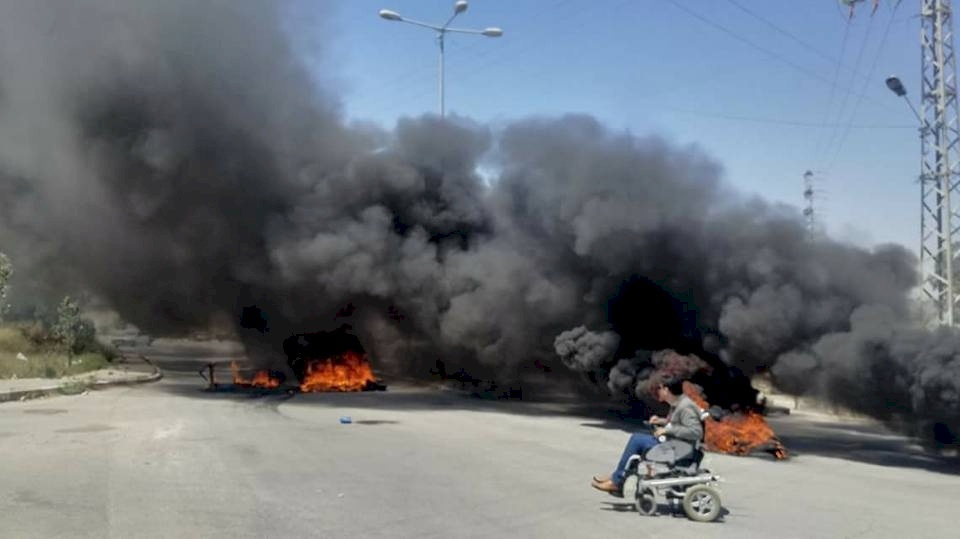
[[674, 385]]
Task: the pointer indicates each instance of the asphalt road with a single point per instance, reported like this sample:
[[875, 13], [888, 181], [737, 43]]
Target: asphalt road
[[169, 460]]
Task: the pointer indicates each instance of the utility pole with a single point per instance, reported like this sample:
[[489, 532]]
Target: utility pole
[[940, 155], [939, 119], [811, 223]]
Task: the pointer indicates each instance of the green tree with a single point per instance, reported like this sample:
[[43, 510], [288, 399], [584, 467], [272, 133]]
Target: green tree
[[71, 330]]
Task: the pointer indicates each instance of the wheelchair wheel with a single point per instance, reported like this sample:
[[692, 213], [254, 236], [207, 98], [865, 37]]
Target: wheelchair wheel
[[647, 503], [629, 488], [701, 503]]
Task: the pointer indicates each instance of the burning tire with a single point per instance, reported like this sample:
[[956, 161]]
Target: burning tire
[[702, 503], [330, 361]]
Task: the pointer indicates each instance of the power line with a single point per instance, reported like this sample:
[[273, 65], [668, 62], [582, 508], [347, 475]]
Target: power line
[[761, 48], [833, 90], [856, 106], [846, 96], [792, 36], [478, 69], [846, 126], [787, 122], [409, 92]]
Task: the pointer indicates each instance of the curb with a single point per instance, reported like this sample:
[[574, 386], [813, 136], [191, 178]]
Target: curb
[[55, 390]]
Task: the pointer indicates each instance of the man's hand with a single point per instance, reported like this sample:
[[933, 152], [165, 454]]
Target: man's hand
[[658, 432], [657, 420]]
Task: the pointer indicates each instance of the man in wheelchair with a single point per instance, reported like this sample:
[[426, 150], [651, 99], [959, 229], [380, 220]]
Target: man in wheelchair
[[675, 439]]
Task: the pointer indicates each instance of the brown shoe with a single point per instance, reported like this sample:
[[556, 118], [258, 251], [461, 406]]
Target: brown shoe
[[606, 486], [602, 478]]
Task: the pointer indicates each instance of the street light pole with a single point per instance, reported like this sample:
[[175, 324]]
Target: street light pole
[[442, 30], [442, 92]]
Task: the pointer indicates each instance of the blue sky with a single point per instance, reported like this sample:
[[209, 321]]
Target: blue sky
[[761, 85]]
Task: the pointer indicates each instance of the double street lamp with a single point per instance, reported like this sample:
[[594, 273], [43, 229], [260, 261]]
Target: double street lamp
[[442, 30]]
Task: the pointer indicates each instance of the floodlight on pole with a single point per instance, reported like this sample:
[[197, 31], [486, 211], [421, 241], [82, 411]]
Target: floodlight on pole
[[442, 30]]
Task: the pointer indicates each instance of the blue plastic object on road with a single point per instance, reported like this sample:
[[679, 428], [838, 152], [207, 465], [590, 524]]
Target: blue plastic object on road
[[345, 420]]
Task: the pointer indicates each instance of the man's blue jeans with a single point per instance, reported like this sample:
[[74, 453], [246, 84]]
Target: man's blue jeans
[[638, 443]]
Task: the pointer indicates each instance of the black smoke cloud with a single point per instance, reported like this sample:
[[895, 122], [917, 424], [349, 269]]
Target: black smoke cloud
[[175, 158]]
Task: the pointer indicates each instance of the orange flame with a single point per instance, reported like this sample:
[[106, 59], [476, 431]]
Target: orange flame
[[262, 378], [347, 372], [738, 433]]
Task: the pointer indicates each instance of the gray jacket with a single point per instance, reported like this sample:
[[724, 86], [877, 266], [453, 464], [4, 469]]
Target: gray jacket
[[684, 421]]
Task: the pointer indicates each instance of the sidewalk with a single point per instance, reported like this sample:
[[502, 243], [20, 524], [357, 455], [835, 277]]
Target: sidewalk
[[127, 370]]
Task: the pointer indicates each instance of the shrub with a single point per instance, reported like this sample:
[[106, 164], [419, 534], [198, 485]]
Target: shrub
[[77, 334], [37, 334]]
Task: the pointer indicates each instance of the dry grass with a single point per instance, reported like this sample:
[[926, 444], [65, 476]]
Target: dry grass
[[44, 360]]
